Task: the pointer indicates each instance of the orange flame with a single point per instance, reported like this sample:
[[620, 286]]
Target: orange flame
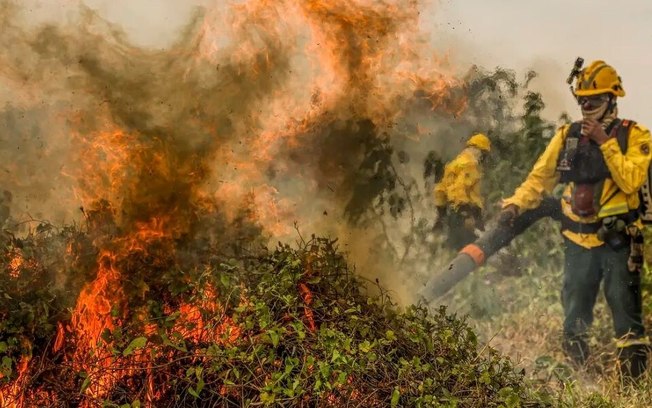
[[92, 315], [12, 395], [15, 264], [194, 327]]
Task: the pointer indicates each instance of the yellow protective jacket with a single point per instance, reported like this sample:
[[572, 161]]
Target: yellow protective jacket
[[460, 185], [619, 193]]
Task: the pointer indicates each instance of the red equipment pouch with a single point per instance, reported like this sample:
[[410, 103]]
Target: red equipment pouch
[[583, 200]]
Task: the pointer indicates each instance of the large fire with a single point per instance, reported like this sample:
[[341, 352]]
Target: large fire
[[235, 119]]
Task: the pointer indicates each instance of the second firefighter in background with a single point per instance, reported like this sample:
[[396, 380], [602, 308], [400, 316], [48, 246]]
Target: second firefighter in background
[[458, 196]]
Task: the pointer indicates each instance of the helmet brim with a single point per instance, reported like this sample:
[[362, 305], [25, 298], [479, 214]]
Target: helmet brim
[[592, 92]]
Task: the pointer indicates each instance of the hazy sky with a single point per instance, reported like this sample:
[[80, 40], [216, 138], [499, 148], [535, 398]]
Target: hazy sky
[[520, 34], [548, 36]]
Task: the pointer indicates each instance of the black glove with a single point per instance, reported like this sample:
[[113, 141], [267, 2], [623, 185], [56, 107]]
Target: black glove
[[507, 215]]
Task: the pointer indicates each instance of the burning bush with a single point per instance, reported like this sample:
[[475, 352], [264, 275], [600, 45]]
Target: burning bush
[[288, 327]]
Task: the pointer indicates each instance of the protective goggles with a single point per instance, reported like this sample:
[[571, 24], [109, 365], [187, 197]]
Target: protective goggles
[[592, 102]]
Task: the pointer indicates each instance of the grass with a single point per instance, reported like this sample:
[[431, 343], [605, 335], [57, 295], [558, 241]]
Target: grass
[[521, 316]]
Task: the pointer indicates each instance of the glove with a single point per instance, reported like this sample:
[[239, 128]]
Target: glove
[[507, 215]]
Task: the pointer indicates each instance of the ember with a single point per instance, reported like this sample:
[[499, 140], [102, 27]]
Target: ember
[[15, 265]]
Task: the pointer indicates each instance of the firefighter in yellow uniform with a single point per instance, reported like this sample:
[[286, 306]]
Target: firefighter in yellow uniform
[[458, 195], [603, 161]]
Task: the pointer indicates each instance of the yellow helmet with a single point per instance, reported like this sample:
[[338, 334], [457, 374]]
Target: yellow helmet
[[479, 140], [598, 78]]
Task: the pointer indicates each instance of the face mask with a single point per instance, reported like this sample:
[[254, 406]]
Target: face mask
[[589, 111]]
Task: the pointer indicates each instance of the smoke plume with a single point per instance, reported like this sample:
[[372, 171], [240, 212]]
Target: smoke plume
[[281, 114]]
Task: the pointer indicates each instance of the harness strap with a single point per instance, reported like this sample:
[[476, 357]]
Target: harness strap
[[622, 134], [592, 227], [579, 228]]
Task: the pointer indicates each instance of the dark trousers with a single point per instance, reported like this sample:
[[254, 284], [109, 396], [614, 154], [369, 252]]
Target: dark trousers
[[584, 269], [459, 234]]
